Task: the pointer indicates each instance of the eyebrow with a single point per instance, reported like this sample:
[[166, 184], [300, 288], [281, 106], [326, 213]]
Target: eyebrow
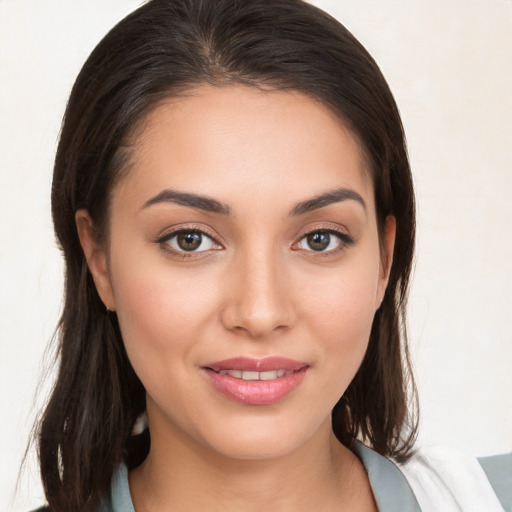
[[191, 200], [327, 198], [212, 205]]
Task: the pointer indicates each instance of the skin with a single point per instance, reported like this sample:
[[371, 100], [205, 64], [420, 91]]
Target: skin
[[256, 290]]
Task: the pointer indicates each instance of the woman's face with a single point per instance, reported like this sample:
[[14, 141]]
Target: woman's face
[[244, 266]]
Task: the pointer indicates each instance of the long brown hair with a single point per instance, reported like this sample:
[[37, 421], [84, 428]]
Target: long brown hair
[[163, 48]]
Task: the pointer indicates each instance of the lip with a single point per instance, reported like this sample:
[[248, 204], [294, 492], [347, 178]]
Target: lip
[[256, 365], [256, 392]]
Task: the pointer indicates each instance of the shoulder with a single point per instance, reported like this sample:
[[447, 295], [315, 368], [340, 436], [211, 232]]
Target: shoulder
[[445, 478], [390, 488], [498, 470], [120, 499]]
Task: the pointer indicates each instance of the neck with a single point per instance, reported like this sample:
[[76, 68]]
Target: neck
[[181, 474]]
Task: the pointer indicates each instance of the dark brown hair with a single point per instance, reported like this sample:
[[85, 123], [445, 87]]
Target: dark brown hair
[[158, 51]]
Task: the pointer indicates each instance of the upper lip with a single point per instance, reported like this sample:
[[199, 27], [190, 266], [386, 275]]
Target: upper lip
[[265, 364]]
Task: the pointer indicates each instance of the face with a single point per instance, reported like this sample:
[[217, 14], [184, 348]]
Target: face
[[244, 266]]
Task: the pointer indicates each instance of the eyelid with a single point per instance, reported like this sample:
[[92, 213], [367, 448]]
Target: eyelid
[[173, 231], [345, 238], [332, 227]]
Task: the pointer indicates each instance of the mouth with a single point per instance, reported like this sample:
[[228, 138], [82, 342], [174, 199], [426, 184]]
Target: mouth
[[250, 375], [256, 381]]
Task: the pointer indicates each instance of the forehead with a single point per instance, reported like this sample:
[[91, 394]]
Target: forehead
[[231, 141]]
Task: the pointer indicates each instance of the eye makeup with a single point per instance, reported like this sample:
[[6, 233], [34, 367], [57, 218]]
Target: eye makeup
[[323, 241], [188, 242], [193, 241]]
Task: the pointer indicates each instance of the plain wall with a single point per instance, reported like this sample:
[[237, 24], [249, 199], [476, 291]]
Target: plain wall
[[449, 65]]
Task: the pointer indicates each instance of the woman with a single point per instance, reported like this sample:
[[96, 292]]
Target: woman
[[234, 202]]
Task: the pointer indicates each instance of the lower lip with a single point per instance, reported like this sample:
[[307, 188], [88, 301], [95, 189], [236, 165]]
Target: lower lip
[[256, 392]]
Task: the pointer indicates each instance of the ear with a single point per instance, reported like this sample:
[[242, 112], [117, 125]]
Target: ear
[[386, 257], [96, 257]]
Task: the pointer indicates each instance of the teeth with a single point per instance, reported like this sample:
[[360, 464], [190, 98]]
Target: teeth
[[250, 375], [268, 375], [233, 373]]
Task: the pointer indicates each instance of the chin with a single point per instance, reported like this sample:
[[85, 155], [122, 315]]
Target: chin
[[255, 448], [263, 438]]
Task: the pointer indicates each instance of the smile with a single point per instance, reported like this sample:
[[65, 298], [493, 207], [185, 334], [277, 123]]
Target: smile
[[256, 381], [250, 375]]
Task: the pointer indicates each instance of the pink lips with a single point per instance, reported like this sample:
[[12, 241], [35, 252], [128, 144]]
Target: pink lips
[[256, 381]]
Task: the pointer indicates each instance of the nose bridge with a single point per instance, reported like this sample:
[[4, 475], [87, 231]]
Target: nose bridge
[[259, 301]]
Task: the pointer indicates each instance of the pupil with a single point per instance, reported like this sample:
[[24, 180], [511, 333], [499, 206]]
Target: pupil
[[319, 241], [189, 241]]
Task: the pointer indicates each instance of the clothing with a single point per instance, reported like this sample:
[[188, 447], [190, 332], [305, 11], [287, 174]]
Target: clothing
[[434, 480], [448, 480], [498, 469], [384, 476]]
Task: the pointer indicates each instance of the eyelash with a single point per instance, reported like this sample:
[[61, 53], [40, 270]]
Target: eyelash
[[164, 242], [345, 241]]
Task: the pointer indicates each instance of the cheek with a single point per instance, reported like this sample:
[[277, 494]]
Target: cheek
[[161, 314], [340, 315], [347, 326], [344, 300]]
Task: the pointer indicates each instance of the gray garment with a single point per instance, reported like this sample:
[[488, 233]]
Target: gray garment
[[390, 488], [120, 498], [498, 469]]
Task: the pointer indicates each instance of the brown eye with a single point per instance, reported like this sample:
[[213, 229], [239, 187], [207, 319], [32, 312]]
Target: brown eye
[[318, 241], [189, 241], [324, 240]]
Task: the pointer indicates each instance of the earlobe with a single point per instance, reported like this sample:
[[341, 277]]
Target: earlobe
[[96, 258], [386, 260]]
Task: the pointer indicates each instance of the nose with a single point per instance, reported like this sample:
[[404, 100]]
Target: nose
[[258, 300]]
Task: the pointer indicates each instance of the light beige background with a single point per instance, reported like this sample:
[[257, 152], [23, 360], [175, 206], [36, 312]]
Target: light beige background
[[449, 65]]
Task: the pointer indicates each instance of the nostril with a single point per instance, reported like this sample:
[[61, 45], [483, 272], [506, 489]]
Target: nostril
[[259, 303]]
